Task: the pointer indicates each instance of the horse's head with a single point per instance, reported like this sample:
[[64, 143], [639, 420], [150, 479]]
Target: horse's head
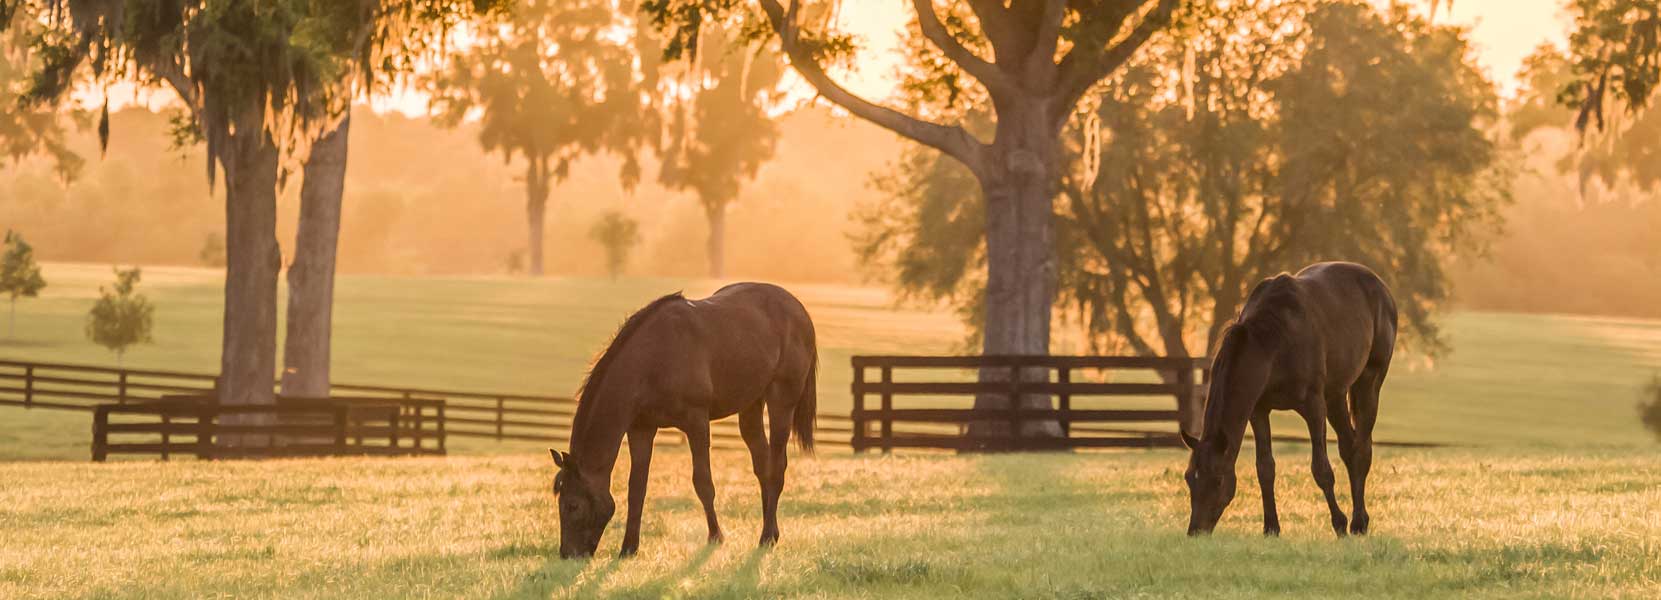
[[1210, 480], [585, 508]]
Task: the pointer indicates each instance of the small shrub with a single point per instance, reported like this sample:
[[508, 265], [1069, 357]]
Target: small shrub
[[619, 234], [1649, 407], [19, 274], [122, 317]]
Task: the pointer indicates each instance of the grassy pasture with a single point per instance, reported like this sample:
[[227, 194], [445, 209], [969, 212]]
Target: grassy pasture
[[1529, 380], [1448, 523], [1552, 491]]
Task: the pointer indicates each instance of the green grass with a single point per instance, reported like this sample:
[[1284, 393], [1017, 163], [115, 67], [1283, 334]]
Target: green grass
[[1447, 523], [1552, 492], [1512, 380]]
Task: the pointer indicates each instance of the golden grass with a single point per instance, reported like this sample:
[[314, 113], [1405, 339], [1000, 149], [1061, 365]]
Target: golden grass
[[1448, 523]]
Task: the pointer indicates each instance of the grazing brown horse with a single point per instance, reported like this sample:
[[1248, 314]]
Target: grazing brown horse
[[681, 363], [1301, 343]]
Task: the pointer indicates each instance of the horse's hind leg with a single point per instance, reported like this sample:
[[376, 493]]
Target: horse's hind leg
[[697, 437], [1314, 413], [781, 412], [1266, 470], [1364, 405], [640, 463], [750, 425]]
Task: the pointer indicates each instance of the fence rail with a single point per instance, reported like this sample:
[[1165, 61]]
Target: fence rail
[[292, 427], [1016, 381], [473, 414]]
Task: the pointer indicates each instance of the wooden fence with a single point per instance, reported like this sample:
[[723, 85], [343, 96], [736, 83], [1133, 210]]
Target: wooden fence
[[199, 426], [1089, 412], [496, 416]]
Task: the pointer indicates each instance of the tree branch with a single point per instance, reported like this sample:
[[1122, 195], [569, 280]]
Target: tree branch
[[1047, 38], [1083, 66], [988, 74], [954, 141]]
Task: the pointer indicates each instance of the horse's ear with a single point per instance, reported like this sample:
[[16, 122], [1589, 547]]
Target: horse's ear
[[559, 459], [1190, 441]]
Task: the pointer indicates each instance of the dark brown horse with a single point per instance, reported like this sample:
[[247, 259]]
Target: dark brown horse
[[1301, 343], [681, 363]]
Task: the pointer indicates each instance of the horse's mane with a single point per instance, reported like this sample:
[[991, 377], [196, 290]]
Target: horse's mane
[[1266, 319], [1270, 310], [597, 373]]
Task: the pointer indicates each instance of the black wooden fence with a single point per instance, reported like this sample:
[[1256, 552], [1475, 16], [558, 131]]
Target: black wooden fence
[[496, 416], [1088, 397], [199, 426]]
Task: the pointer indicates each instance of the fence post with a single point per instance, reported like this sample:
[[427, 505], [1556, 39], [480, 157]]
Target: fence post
[[442, 438], [887, 410], [100, 434], [393, 421], [29, 386], [340, 416], [121, 395], [500, 407], [1064, 376], [166, 433], [1185, 396], [1015, 422], [858, 441], [205, 413]]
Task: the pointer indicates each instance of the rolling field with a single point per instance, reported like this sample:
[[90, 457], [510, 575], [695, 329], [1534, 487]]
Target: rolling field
[[1511, 380], [1447, 523], [1550, 491]]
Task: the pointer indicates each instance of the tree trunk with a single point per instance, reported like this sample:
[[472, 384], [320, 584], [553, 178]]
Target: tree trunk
[[716, 245], [248, 356], [536, 212], [311, 277], [1018, 187]]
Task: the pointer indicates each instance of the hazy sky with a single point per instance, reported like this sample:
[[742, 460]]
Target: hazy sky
[[1504, 32]]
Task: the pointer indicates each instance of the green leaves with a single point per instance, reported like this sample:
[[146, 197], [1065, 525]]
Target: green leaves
[[19, 273], [619, 234], [121, 317], [1615, 50]]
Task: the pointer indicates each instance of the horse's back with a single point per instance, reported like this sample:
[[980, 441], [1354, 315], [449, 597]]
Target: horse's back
[[1354, 310]]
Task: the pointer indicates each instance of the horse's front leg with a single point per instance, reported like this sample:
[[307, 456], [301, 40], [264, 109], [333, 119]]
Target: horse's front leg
[[697, 437], [1266, 470], [1314, 413], [640, 463]]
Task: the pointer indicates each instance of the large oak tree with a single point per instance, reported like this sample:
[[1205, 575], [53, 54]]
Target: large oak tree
[[260, 79], [1034, 60]]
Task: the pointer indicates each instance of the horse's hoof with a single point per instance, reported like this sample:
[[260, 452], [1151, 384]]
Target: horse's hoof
[[1359, 526], [1273, 532], [627, 553], [769, 539], [715, 539]]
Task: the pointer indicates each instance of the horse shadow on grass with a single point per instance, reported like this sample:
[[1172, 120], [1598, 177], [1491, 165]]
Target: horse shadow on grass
[[583, 579]]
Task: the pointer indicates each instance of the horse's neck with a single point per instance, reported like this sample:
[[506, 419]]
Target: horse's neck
[[597, 445]]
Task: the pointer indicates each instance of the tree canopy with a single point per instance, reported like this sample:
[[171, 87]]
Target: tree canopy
[[26, 128], [722, 131], [553, 81], [1270, 136]]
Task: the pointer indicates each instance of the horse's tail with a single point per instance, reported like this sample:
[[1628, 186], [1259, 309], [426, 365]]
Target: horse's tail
[[807, 408]]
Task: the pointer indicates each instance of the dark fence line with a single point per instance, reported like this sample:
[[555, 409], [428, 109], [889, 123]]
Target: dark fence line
[[963, 427], [486, 415], [199, 426]]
